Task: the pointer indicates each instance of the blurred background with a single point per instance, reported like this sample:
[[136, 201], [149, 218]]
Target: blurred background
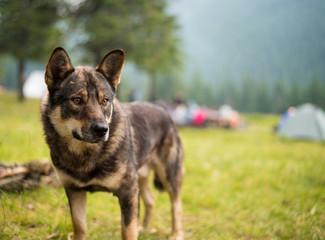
[[238, 70], [257, 56]]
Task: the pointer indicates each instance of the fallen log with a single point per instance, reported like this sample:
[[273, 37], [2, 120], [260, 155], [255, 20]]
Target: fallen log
[[16, 178]]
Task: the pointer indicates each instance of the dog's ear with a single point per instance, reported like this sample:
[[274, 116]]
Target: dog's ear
[[58, 67], [111, 67]]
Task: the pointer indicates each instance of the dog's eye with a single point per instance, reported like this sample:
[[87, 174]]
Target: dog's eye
[[77, 100], [105, 102]]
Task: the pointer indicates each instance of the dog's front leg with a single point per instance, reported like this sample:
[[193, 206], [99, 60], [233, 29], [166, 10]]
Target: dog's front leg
[[78, 204], [129, 200]]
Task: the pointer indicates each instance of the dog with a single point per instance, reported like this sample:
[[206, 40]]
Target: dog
[[100, 144]]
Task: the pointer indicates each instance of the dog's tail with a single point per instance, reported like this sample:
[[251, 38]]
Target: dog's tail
[[158, 184]]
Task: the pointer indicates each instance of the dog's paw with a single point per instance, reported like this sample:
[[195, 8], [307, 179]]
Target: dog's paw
[[149, 230], [140, 228], [177, 236]]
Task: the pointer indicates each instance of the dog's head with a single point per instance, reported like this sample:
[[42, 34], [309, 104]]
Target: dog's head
[[81, 98]]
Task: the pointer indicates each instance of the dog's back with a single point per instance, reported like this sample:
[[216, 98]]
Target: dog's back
[[156, 142]]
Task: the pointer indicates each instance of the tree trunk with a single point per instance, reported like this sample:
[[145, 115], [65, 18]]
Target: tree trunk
[[153, 90], [21, 69]]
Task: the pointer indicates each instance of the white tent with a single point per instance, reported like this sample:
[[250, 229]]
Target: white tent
[[307, 122], [35, 86]]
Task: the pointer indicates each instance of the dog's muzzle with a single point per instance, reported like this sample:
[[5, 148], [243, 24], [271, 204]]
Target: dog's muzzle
[[97, 132]]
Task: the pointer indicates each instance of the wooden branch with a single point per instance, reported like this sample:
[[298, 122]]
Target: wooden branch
[[13, 171], [27, 176]]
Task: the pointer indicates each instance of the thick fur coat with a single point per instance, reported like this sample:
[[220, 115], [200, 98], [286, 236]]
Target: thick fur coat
[[99, 144]]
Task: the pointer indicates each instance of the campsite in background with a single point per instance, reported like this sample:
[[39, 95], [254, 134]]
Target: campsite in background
[[192, 114]]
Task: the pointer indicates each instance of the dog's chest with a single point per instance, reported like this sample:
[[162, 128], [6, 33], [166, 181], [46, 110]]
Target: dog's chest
[[108, 183]]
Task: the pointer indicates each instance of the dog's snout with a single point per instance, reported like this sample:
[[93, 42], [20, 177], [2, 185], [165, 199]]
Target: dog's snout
[[100, 129]]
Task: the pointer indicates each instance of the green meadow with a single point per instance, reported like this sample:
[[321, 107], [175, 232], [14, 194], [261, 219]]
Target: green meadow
[[243, 184]]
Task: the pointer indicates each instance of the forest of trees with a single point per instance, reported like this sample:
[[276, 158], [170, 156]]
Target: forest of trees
[[29, 30], [253, 95], [249, 95], [143, 28]]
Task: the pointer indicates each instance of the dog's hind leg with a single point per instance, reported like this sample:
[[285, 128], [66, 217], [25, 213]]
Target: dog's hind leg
[[149, 199], [169, 168], [78, 204], [176, 204], [177, 217]]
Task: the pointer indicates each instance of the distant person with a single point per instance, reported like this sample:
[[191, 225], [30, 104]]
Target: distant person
[[178, 99], [285, 117], [200, 117]]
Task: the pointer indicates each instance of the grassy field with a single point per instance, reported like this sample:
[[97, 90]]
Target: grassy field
[[246, 184]]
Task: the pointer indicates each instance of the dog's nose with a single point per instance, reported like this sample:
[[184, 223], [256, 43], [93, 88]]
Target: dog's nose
[[100, 129]]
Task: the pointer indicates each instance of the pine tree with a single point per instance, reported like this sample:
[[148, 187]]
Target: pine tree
[[280, 103], [263, 98], [199, 90], [315, 92], [227, 93], [27, 31], [295, 94], [247, 99], [141, 27]]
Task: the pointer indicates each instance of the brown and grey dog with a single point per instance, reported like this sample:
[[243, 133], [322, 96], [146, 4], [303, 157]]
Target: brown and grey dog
[[99, 144]]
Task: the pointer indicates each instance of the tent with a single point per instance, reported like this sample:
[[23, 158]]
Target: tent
[[35, 86], [303, 122]]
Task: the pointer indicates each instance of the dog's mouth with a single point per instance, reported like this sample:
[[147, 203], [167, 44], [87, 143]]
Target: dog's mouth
[[76, 135], [91, 137]]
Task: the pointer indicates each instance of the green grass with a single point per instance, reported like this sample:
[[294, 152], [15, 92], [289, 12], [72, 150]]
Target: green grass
[[246, 184]]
